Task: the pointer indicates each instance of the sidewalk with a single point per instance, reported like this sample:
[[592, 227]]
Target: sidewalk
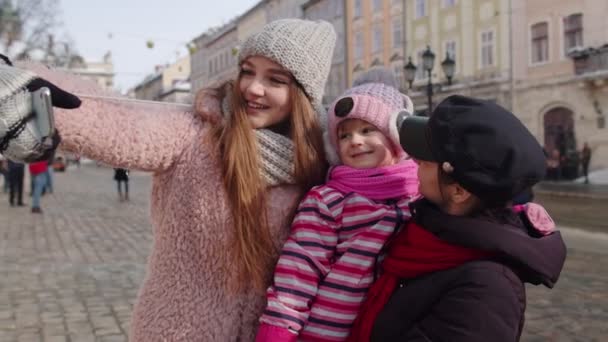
[[571, 189], [574, 204]]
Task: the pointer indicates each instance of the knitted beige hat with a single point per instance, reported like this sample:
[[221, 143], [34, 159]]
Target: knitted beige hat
[[303, 47]]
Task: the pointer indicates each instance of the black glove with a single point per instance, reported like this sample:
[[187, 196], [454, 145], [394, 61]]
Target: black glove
[[19, 138], [59, 97]]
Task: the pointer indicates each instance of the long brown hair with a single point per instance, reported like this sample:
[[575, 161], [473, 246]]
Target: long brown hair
[[253, 247]]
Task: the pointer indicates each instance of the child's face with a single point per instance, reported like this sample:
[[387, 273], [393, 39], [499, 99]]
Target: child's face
[[362, 146]]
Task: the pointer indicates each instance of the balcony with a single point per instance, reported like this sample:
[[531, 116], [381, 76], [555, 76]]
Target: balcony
[[590, 61]]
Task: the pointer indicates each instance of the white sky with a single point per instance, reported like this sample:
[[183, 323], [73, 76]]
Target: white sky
[[124, 26]]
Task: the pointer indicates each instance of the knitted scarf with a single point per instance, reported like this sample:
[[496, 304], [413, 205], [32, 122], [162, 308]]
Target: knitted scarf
[[395, 181], [414, 252], [276, 157]]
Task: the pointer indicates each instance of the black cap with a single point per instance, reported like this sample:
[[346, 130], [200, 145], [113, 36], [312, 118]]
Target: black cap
[[492, 154]]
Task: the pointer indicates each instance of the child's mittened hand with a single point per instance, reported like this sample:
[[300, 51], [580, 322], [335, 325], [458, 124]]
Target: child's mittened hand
[[538, 217], [271, 333]]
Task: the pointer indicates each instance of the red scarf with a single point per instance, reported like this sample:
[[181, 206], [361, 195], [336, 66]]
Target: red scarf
[[414, 252]]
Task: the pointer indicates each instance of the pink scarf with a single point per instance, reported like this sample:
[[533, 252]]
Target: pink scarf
[[395, 181]]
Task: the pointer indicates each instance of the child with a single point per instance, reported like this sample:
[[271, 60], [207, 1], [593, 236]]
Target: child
[[456, 272], [340, 228]]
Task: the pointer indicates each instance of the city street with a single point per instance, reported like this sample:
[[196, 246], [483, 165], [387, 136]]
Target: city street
[[72, 274]]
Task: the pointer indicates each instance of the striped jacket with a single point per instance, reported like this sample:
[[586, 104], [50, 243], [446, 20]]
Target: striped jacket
[[329, 262]]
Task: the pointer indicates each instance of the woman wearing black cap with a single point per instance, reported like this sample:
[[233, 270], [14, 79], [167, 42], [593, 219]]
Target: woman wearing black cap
[[456, 272]]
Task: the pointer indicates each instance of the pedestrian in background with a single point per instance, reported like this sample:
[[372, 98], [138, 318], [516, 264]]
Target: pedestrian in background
[[4, 172], [554, 163], [49, 174], [121, 176], [227, 175], [585, 160], [38, 172], [16, 172]]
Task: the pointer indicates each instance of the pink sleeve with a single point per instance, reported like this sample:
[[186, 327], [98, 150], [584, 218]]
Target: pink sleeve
[[271, 333], [127, 135], [119, 132]]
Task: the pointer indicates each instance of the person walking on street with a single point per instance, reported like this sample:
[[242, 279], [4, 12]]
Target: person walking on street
[[4, 172], [585, 160], [122, 176], [49, 175], [16, 172], [38, 172], [227, 174]]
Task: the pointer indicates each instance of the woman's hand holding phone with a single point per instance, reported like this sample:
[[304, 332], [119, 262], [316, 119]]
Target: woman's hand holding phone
[[27, 129]]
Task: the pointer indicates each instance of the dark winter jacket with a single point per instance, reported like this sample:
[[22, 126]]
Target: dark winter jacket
[[15, 170], [477, 301], [121, 175]]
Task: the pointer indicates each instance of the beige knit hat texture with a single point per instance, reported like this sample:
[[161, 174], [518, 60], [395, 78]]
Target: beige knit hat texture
[[303, 47]]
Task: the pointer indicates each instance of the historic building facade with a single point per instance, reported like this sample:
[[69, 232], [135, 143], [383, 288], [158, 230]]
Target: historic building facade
[[560, 60], [333, 12], [374, 36], [474, 33]]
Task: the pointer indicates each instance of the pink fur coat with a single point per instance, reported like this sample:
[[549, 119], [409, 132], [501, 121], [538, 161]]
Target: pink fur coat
[[183, 296]]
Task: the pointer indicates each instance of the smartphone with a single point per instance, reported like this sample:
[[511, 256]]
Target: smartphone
[[43, 112]]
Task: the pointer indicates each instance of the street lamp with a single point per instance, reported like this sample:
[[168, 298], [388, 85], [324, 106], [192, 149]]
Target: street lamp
[[449, 67], [428, 61], [410, 71]]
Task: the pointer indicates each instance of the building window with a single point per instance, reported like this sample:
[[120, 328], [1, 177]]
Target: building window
[[376, 5], [420, 8], [450, 49], [377, 38], [398, 69], [573, 32], [339, 9], [420, 72], [487, 49], [448, 3], [339, 51], [358, 45], [397, 27], [540, 42], [357, 8]]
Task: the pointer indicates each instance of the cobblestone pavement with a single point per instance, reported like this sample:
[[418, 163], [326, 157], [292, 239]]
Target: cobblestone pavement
[[72, 274]]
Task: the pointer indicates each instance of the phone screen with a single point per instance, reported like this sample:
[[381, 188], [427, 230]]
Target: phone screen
[[43, 111]]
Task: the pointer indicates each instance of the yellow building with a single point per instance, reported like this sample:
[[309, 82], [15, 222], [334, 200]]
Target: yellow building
[[374, 36], [474, 33]]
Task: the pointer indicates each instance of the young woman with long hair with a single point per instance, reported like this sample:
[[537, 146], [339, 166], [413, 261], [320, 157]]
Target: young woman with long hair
[[227, 175]]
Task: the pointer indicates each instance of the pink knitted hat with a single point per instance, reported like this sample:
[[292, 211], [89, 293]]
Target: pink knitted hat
[[376, 103]]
